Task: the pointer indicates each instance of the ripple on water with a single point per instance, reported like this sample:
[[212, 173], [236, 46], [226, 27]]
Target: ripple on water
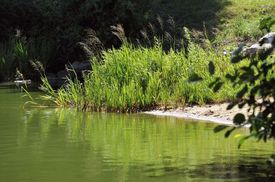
[[51, 145]]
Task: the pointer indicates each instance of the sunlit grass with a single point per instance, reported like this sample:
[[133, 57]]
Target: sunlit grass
[[240, 19], [132, 78]]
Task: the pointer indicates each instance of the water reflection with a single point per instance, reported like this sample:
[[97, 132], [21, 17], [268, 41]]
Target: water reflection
[[240, 170], [140, 147]]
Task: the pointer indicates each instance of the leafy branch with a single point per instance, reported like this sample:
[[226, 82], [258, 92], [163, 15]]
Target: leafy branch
[[256, 85]]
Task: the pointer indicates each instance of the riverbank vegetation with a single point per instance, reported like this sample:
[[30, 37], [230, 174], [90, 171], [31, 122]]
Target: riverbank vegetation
[[140, 60], [61, 32], [136, 78]]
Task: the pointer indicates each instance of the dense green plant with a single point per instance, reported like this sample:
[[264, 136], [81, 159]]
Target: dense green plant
[[136, 78]]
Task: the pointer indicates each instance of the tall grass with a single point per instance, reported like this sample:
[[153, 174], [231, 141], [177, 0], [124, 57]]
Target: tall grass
[[131, 79], [16, 53], [12, 55]]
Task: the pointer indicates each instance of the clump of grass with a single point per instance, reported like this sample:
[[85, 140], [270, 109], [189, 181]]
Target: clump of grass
[[132, 79]]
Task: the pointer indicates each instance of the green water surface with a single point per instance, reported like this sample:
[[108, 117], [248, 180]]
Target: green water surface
[[56, 145]]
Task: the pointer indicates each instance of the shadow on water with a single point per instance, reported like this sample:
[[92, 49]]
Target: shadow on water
[[236, 169]]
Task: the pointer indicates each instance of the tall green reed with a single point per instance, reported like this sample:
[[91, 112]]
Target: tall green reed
[[133, 78], [16, 53]]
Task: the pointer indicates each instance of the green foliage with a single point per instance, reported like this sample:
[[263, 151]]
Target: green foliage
[[239, 119], [220, 128], [257, 83], [267, 23], [135, 78], [57, 32]]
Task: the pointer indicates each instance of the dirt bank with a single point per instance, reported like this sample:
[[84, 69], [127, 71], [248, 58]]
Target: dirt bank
[[216, 113]]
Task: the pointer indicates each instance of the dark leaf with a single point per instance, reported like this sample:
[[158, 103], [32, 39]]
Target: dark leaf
[[211, 68], [236, 59], [212, 84], [239, 119], [218, 86], [260, 136], [231, 105], [241, 93], [244, 77], [228, 133], [230, 77], [194, 78], [242, 104], [236, 54], [254, 90], [246, 69], [220, 128]]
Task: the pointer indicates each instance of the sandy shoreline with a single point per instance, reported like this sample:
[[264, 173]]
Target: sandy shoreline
[[216, 113]]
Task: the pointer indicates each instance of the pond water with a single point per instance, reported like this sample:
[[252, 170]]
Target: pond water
[[55, 145]]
